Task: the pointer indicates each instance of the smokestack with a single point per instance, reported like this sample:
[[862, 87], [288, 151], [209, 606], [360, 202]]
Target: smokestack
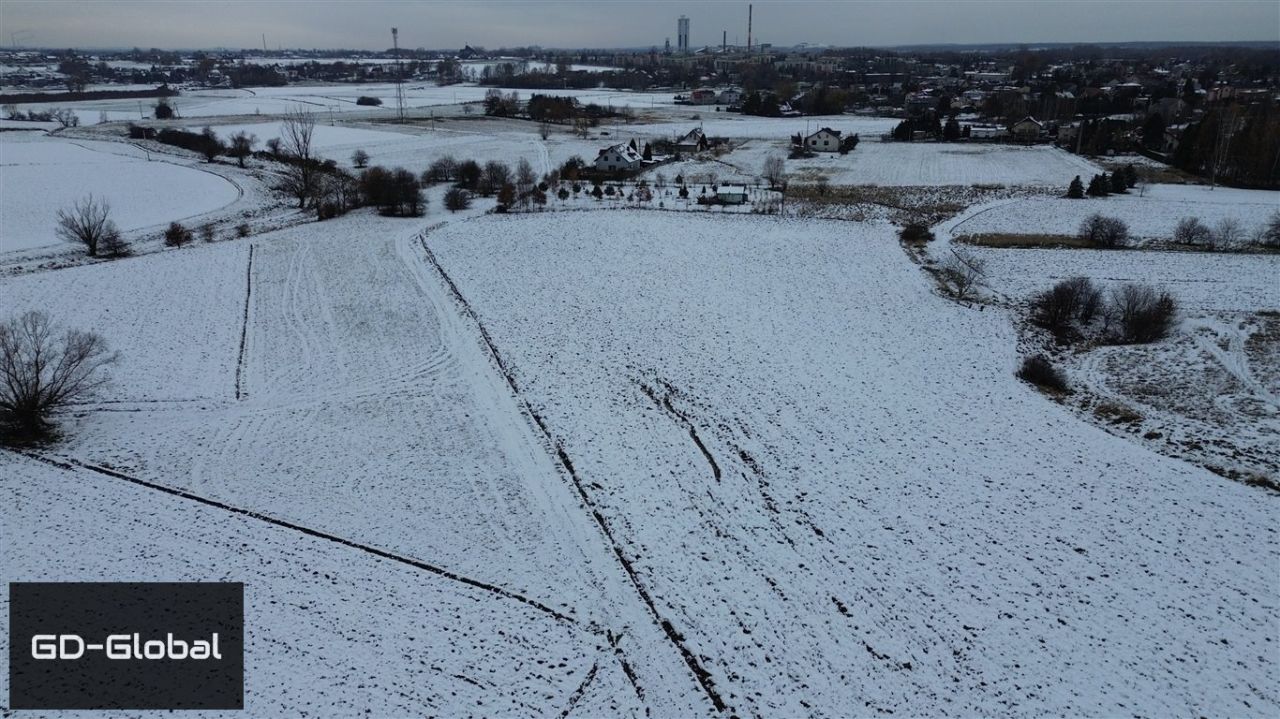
[[748, 28], [724, 40]]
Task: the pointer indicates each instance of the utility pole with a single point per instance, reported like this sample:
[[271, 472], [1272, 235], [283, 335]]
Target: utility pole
[[395, 45]]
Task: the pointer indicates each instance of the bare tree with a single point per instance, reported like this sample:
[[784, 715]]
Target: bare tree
[[1228, 233], [65, 118], [544, 130], [88, 222], [961, 273], [295, 142], [360, 159], [42, 369], [525, 176], [774, 170], [241, 146]]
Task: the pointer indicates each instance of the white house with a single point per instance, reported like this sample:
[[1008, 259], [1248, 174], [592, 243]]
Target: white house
[[620, 157], [730, 96], [824, 140], [692, 141]]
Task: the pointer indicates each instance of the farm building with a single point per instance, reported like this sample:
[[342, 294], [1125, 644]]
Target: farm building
[[732, 194]]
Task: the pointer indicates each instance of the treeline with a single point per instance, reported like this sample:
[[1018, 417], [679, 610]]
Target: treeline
[[1235, 145], [28, 97]]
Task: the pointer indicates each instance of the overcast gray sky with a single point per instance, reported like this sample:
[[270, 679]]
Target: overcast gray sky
[[627, 23]]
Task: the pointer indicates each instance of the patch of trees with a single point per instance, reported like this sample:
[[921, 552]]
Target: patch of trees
[[64, 117], [247, 75], [394, 192], [1235, 145], [763, 104], [1129, 314], [1227, 234], [369, 100], [928, 123], [44, 368], [205, 142], [31, 97], [1101, 185]]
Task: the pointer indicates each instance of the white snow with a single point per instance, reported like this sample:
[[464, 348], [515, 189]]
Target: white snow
[[40, 175], [892, 521], [1153, 214]]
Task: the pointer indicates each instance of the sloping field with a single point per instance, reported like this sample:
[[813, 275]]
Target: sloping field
[[1202, 281], [839, 494], [936, 163], [361, 408], [40, 175], [1153, 214], [329, 629]]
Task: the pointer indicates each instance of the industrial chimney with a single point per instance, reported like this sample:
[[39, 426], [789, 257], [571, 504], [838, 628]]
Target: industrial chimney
[[748, 28]]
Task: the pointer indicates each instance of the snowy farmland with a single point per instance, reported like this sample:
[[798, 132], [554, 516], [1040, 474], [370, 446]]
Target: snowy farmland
[[829, 479], [624, 462], [1151, 214], [40, 175]]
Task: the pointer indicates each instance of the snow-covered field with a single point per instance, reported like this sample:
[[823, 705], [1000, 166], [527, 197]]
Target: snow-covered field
[[841, 496], [40, 175], [337, 99], [932, 163], [1200, 280], [1151, 215], [741, 461]]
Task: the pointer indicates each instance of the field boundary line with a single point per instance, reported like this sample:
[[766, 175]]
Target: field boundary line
[[72, 465]]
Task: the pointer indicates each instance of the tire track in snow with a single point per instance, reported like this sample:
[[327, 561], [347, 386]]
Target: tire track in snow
[[700, 674], [72, 465], [244, 328]]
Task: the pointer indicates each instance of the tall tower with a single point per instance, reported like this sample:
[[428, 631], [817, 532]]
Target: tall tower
[[749, 28], [395, 44], [682, 35]]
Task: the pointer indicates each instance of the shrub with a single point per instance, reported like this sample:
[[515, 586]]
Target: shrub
[[176, 235], [457, 199], [207, 232], [112, 244], [916, 233], [1071, 299], [1143, 314], [1040, 372], [1100, 231], [1270, 234], [368, 100], [1228, 233], [242, 229], [45, 369], [1191, 231]]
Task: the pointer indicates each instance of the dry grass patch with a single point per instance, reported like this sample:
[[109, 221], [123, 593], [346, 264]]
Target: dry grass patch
[[1010, 240]]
